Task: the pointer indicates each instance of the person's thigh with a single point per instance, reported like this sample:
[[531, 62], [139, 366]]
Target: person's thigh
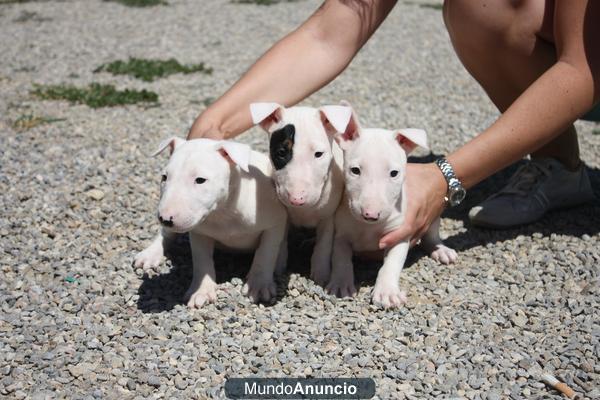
[[506, 45]]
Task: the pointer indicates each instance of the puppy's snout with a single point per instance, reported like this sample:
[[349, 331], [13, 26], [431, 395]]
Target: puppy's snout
[[297, 199], [166, 221], [370, 215]]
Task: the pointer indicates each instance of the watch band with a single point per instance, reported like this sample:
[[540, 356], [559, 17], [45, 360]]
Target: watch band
[[454, 184]]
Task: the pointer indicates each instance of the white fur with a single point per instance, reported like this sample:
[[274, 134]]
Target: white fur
[[318, 182], [374, 203], [235, 207]]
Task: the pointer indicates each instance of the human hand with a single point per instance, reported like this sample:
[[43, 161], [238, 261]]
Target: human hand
[[425, 188], [205, 127]]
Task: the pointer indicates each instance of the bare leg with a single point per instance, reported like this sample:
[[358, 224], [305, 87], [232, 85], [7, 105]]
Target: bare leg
[[260, 284], [204, 286], [320, 262], [341, 283], [506, 45], [387, 292], [282, 258]]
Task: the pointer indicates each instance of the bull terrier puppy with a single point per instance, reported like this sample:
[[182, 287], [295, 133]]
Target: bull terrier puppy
[[374, 203], [308, 170], [220, 192]]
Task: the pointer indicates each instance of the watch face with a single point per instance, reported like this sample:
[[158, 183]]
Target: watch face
[[457, 196]]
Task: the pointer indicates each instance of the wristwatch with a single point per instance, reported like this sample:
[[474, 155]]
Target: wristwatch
[[456, 192]]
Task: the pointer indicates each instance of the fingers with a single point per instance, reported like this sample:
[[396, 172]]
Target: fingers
[[409, 231], [394, 237]]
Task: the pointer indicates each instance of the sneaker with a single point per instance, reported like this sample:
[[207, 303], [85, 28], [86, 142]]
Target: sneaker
[[539, 186]]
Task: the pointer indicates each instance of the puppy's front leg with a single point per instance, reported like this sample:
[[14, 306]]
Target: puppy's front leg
[[260, 282], [387, 291], [341, 283], [151, 256], [320, 262], [204, 286]]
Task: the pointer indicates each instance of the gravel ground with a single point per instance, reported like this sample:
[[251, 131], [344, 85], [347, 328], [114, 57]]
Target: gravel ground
[[78, 200]]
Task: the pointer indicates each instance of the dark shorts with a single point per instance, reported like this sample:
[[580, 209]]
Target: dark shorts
[[593, 115]]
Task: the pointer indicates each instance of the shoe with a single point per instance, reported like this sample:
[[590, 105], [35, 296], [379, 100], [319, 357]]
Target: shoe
[[539, 186]]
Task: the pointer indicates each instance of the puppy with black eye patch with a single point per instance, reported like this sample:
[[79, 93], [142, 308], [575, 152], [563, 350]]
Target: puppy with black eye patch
[[281, 146], [307, 169], [374, 203]]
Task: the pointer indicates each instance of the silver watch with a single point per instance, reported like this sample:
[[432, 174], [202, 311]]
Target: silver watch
[[456, 192]]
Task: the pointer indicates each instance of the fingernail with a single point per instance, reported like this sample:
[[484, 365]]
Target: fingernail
[[382, 245]]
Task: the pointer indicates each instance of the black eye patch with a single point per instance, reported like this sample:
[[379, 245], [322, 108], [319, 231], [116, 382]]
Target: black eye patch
[[281, 146]]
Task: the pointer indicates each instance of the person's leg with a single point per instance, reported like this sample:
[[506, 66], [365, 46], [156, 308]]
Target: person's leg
[[506, 45]]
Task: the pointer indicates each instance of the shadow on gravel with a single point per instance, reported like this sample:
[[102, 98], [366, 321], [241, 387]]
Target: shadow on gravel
[[162, 292], [577, 221]]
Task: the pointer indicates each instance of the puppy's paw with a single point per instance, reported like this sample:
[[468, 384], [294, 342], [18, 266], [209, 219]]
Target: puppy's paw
[[197, 297], [260, 288], [319, 273], [341, 287], [444, 255], [149, 258], [388, 296]]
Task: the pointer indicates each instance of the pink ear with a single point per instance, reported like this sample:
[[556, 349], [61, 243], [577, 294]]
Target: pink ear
[[346, 124], [335, 119], [409, 139], [237, 153], [171, 143], [266, 114]]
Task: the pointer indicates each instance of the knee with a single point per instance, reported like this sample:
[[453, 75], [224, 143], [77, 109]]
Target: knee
[[480, 25]]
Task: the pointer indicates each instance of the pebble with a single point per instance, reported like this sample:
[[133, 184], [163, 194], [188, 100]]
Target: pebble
[[95, 194]]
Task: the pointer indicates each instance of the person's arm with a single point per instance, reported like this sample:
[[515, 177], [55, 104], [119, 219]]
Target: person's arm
[[562, 94], [297, 66]]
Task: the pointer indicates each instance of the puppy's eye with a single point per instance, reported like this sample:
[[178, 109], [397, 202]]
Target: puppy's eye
[[282, 152], [355, 170], [318, 154], [393, 173], [200, 181], [163, 178]]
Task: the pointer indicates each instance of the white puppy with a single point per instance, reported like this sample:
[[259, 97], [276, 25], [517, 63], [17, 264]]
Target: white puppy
[[308, 174], [220, 192], [374, 203]]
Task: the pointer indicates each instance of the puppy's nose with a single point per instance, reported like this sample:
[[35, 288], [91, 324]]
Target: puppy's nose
[[297, 199], [370, 215], [166, 221]]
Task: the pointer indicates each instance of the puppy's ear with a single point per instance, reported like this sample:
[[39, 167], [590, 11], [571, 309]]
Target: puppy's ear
[[409, 139], [342, 122], [236, 153], [266, 114], [335, 119], [171, 143]]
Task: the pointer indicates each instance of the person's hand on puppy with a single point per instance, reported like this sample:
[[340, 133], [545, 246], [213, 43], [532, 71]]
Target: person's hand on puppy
[[425, 189], [204, 128]]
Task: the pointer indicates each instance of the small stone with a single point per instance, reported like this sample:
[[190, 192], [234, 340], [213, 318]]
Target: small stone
[[585, 366], [519, 318], [131, 385], [77, 370], [493, 396], [153, 380], [95, 194], [180, 383]]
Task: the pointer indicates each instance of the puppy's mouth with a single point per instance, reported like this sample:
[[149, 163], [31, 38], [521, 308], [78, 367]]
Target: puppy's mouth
[[370, 219], [184, 227]]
